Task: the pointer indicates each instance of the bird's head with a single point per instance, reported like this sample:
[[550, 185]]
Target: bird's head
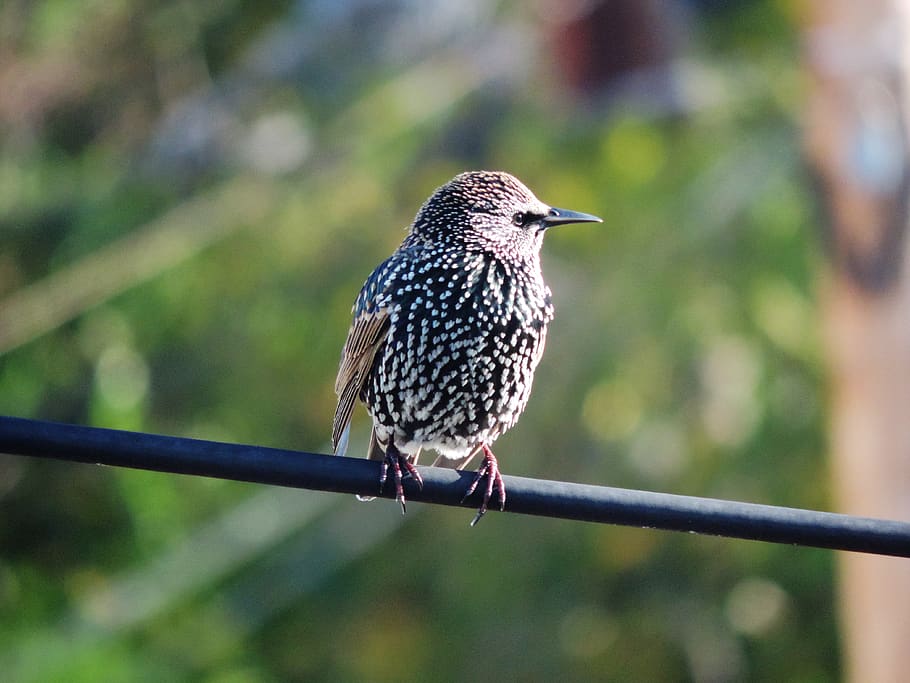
[[490, 210]]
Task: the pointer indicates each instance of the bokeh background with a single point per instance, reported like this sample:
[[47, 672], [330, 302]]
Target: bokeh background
[[191, 194]]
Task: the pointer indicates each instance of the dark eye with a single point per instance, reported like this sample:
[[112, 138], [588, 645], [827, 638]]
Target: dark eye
[[519, 219]]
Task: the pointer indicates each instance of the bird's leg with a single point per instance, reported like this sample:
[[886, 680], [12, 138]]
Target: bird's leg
[[397, 459], [489, 468]]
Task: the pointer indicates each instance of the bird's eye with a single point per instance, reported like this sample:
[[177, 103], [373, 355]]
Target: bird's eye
[[519, 219]]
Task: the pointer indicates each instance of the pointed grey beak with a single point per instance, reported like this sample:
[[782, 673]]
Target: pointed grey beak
[[564, 216]]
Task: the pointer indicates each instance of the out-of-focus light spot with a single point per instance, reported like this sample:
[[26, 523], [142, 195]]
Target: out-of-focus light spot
[[755, 606], [586, 632], [876, 149], [658, 450], [622, 548], [784, 315], [265, 519], [121, 377], [729, 373], [634, 152], [611, 410], [708, 311], [713, 653], [793, 400], [103, 329], [277, 143]]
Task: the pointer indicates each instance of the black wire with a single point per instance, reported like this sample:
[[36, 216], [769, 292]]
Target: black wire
[[446, 487]]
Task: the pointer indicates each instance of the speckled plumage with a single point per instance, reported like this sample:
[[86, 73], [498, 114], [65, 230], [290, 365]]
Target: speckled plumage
[[448, 331]]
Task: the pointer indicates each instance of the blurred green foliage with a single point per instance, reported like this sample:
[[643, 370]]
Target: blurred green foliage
[[684, 357]]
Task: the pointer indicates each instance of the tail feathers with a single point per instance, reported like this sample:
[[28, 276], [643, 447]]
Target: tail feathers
[[375, 451], [342, 446]]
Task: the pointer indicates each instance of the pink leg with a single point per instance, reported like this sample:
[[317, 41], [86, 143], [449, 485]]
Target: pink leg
[[397, 460], [489, 468]]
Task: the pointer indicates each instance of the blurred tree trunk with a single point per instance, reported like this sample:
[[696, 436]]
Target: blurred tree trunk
[[857, 145]]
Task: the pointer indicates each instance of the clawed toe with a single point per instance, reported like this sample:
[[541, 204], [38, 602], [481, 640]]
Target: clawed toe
[[398, 461], [489, 470]]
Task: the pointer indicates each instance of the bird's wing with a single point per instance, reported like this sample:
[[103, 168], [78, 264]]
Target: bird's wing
[[367, 335]]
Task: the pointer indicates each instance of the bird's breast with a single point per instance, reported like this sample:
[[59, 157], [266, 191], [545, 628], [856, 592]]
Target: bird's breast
[[462, 348]]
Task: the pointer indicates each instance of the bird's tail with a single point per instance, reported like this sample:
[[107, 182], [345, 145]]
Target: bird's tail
[[342, 446], [374, 452]]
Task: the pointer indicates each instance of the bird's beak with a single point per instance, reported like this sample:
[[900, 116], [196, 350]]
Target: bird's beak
[[564, 216]]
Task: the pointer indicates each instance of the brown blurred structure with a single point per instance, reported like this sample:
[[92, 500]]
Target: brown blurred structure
[[857, 145], [609, 40], [617, 50]]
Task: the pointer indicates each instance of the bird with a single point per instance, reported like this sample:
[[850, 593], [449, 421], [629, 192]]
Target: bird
[[448, 331]]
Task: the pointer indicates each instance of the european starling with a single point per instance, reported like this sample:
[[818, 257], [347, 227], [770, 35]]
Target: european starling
[[448, 330]]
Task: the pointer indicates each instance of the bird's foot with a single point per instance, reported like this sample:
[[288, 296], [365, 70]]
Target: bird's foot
[[488, 469], [398, 461]]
